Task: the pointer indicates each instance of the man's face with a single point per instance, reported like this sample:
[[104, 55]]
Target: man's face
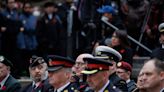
[[122, 74], [79, 66], [49, 9], [4, 70], [149, 76], [28, 8], [95, 80], [38, 72], [11, 4], [55, 75], [161, 39]]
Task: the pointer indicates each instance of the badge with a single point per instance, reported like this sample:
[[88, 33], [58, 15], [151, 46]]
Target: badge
[[2, 58], [119, 64]]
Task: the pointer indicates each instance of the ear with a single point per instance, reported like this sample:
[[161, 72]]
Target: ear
[[67, 74], [162, 75], [129, 73], [8, 68]]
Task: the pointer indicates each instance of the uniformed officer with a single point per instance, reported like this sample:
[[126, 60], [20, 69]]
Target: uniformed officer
[[59, 69], [124, 71], [38, 72], [97, 75], [113, 56], [159, 52], [7, 82]]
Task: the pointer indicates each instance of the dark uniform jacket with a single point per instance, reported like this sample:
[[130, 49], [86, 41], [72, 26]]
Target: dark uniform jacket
[[131, 86], [118, 82], [11, 85], [70, 88], [158, 53], [44, 86], [111, 88]]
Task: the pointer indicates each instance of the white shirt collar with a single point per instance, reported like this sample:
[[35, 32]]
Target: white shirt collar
[[50, 16], [35, 84], [128, 81], [102, 89], [162, 46], [162, 90], [4, 80], [62, 88]]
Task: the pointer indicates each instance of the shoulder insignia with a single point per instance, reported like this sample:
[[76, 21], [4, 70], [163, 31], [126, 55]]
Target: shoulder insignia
[[122, 82], [106, 90], [65, 90], [72, 88]]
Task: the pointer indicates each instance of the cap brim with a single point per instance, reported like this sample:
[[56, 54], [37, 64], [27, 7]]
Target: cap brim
[[52, 69], [162, 31], [89, 72]]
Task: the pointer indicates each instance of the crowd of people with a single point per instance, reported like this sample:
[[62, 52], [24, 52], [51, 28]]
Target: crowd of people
[[81, 45]]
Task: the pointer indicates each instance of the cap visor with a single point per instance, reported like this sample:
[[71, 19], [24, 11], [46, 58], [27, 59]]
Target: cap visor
[[87, 72], [162, 30], [51, 69]]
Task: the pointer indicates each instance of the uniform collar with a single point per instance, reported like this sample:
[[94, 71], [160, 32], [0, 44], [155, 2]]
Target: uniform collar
[[4, 80], [63, 87], [103, 88]]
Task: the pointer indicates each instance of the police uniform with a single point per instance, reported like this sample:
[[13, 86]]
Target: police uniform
[[159, 52], [55, 63], [9, 83], [95, 65], [44, 86], [131, 85], [109, 54]]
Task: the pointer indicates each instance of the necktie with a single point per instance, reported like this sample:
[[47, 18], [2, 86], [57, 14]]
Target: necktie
[[33, 88]]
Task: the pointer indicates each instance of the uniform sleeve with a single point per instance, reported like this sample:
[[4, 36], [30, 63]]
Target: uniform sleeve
[[15, 88], [122, 86]]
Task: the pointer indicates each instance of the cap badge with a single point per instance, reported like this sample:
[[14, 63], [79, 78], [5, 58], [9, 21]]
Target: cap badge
[[1, 58], [119, 64], [99, 53]]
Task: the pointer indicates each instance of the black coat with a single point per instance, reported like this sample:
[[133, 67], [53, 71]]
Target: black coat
[[43, 87], [11, 85], [127, 54], [50, 35], [70, 88]]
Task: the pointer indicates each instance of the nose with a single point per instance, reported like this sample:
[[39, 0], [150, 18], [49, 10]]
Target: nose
[[88, 78], [37, 70]]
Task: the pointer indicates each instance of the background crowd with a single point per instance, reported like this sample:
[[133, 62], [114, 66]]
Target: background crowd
[[72, 27]]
